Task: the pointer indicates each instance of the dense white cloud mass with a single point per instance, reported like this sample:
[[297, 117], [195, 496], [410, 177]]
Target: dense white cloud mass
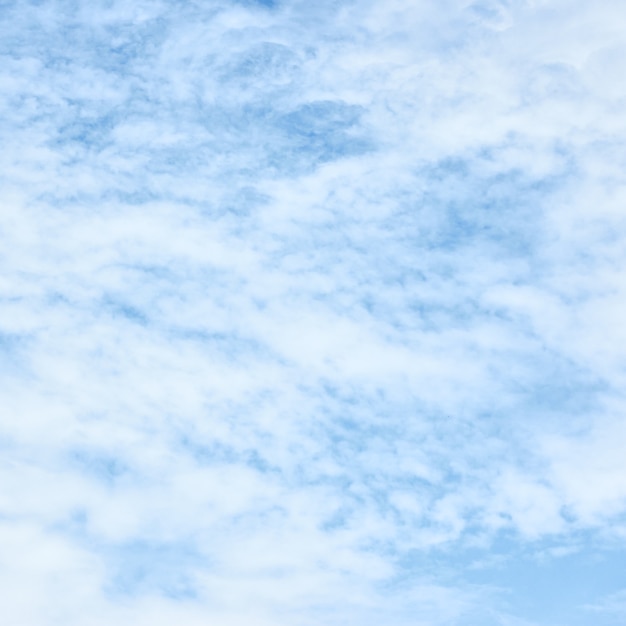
[[312, 313]]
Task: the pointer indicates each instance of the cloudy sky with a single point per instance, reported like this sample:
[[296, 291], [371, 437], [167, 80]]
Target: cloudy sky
[[312, 313]]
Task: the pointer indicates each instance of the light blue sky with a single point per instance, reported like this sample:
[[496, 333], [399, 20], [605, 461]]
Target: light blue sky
[[311, 313]]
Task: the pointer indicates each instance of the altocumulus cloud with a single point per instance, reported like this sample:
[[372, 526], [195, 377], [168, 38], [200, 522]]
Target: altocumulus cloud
[[312, 313]]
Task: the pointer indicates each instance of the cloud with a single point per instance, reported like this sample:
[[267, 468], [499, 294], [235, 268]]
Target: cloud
[[307, 309]]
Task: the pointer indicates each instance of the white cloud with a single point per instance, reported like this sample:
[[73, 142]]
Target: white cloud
[[296, 296]]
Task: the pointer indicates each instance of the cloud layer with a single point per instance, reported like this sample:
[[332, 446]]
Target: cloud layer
[[311, 313]]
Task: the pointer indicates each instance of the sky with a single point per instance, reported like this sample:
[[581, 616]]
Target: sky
[[310, 313]]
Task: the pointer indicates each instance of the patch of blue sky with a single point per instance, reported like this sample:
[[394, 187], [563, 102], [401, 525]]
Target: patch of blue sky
[[266, 66], [457, 208], [124, 311], [585, 570], [147, 568], [14, 348], [102, 466], [226, 457], [270, 4]]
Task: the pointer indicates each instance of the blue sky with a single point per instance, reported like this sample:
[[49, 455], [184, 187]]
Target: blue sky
[[312, 313]]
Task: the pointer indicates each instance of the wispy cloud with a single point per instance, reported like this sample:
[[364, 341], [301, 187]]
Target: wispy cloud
[[310, 312]]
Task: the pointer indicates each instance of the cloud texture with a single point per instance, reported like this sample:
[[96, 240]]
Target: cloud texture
[[312, 313]]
